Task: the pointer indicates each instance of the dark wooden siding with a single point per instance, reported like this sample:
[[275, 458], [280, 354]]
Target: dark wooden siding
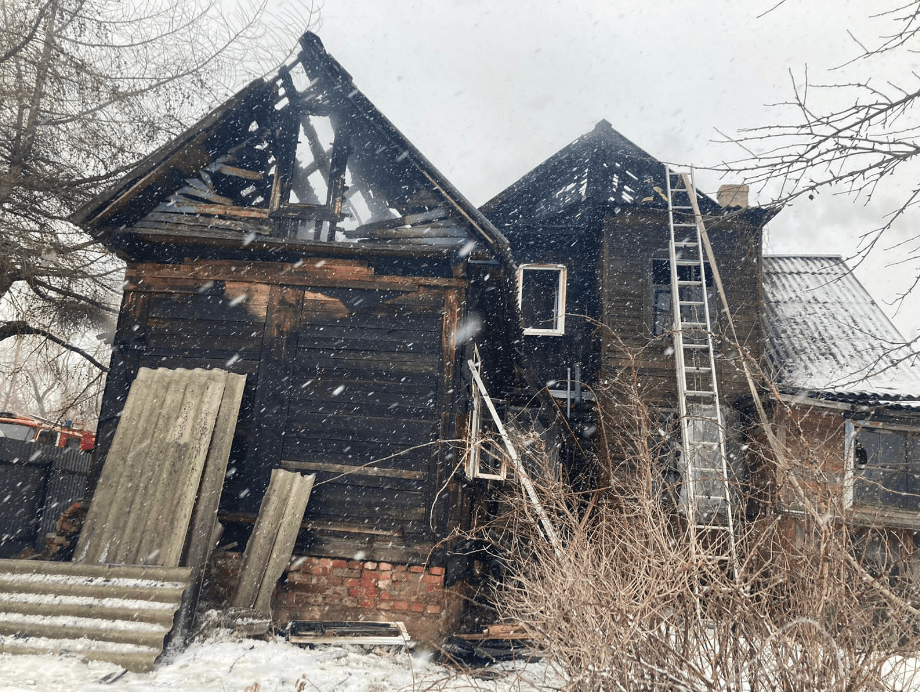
[[364, 410], [631, 242], [573, 241], [350, 374]]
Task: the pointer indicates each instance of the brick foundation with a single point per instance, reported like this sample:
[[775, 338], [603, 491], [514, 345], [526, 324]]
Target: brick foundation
[[334, 589]]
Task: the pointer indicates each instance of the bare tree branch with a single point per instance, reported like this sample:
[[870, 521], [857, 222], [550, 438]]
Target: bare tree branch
[[30, 33], [18, 328]]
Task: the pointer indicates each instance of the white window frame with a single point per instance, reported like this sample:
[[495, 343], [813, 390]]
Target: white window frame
[[562, 272]]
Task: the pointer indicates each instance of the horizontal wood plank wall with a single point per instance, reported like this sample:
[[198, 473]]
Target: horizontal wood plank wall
[[365, 415], [630, 244], [361, 392]]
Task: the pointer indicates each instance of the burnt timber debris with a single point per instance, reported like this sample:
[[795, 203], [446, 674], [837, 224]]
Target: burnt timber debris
[[318, 332]]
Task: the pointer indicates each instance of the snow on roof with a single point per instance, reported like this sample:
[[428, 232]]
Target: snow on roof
[[826, 335]]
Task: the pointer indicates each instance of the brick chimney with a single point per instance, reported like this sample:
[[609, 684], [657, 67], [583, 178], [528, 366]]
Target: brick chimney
[[733, 195]]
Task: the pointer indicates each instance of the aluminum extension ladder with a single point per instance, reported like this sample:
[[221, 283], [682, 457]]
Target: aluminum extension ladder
[[706, 495]]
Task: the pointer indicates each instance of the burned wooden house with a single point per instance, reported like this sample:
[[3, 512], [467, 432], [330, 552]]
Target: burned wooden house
[[605, 239], [296, 237]]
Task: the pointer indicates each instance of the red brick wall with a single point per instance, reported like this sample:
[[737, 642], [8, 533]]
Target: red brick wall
[[334, 589]]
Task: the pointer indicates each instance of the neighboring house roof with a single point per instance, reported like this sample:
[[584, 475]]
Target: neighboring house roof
[[257, 138], [601, 166], [828, 338]]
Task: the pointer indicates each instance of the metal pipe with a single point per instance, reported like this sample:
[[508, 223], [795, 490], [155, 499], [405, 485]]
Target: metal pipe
[[568, 393]]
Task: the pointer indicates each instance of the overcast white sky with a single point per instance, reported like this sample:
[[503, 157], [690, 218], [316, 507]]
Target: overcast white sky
[[489, 89]]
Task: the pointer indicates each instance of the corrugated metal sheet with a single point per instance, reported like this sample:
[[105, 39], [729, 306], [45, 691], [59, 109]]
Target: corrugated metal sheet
[[143, 504], [37, 483], [826, 334], [163, 475], [66, 484], [110, 613]]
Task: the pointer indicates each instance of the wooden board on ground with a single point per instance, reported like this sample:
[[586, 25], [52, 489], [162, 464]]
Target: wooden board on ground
[[369, 633], [500, 631]]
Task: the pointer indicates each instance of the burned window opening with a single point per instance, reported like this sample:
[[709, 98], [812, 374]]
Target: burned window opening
[[541, 298]]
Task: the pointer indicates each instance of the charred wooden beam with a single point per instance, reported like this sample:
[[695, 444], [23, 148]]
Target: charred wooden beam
[[305, 212], [234, 171], [163, 243], [205, 194], [341, 149], [278, 348], [188, 206], [401, 221], [286, 154]]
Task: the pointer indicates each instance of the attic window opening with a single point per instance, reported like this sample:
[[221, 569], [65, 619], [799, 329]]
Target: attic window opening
[[541, 297]]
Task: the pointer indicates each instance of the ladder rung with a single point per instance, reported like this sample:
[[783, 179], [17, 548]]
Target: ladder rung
[[697, 347], [685, 243], [689, 283], [694, 325], [687, 262], [680, 207], [703, 443], [684, 225], [691, 368], [691, 303], [700, 393]]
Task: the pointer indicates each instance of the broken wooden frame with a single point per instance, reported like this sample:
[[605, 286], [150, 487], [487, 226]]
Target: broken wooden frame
[[478, 447], [549, 531]]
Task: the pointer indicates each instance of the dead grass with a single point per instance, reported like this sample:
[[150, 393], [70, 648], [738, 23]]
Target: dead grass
[[634, 602]]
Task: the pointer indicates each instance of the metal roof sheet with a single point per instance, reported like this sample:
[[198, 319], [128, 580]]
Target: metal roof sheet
[[825, 334]]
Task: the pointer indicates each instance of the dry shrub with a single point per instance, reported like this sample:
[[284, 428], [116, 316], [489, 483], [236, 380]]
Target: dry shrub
[[634, 601]]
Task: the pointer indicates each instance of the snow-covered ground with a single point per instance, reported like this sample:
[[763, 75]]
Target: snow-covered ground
[[245, 665]]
